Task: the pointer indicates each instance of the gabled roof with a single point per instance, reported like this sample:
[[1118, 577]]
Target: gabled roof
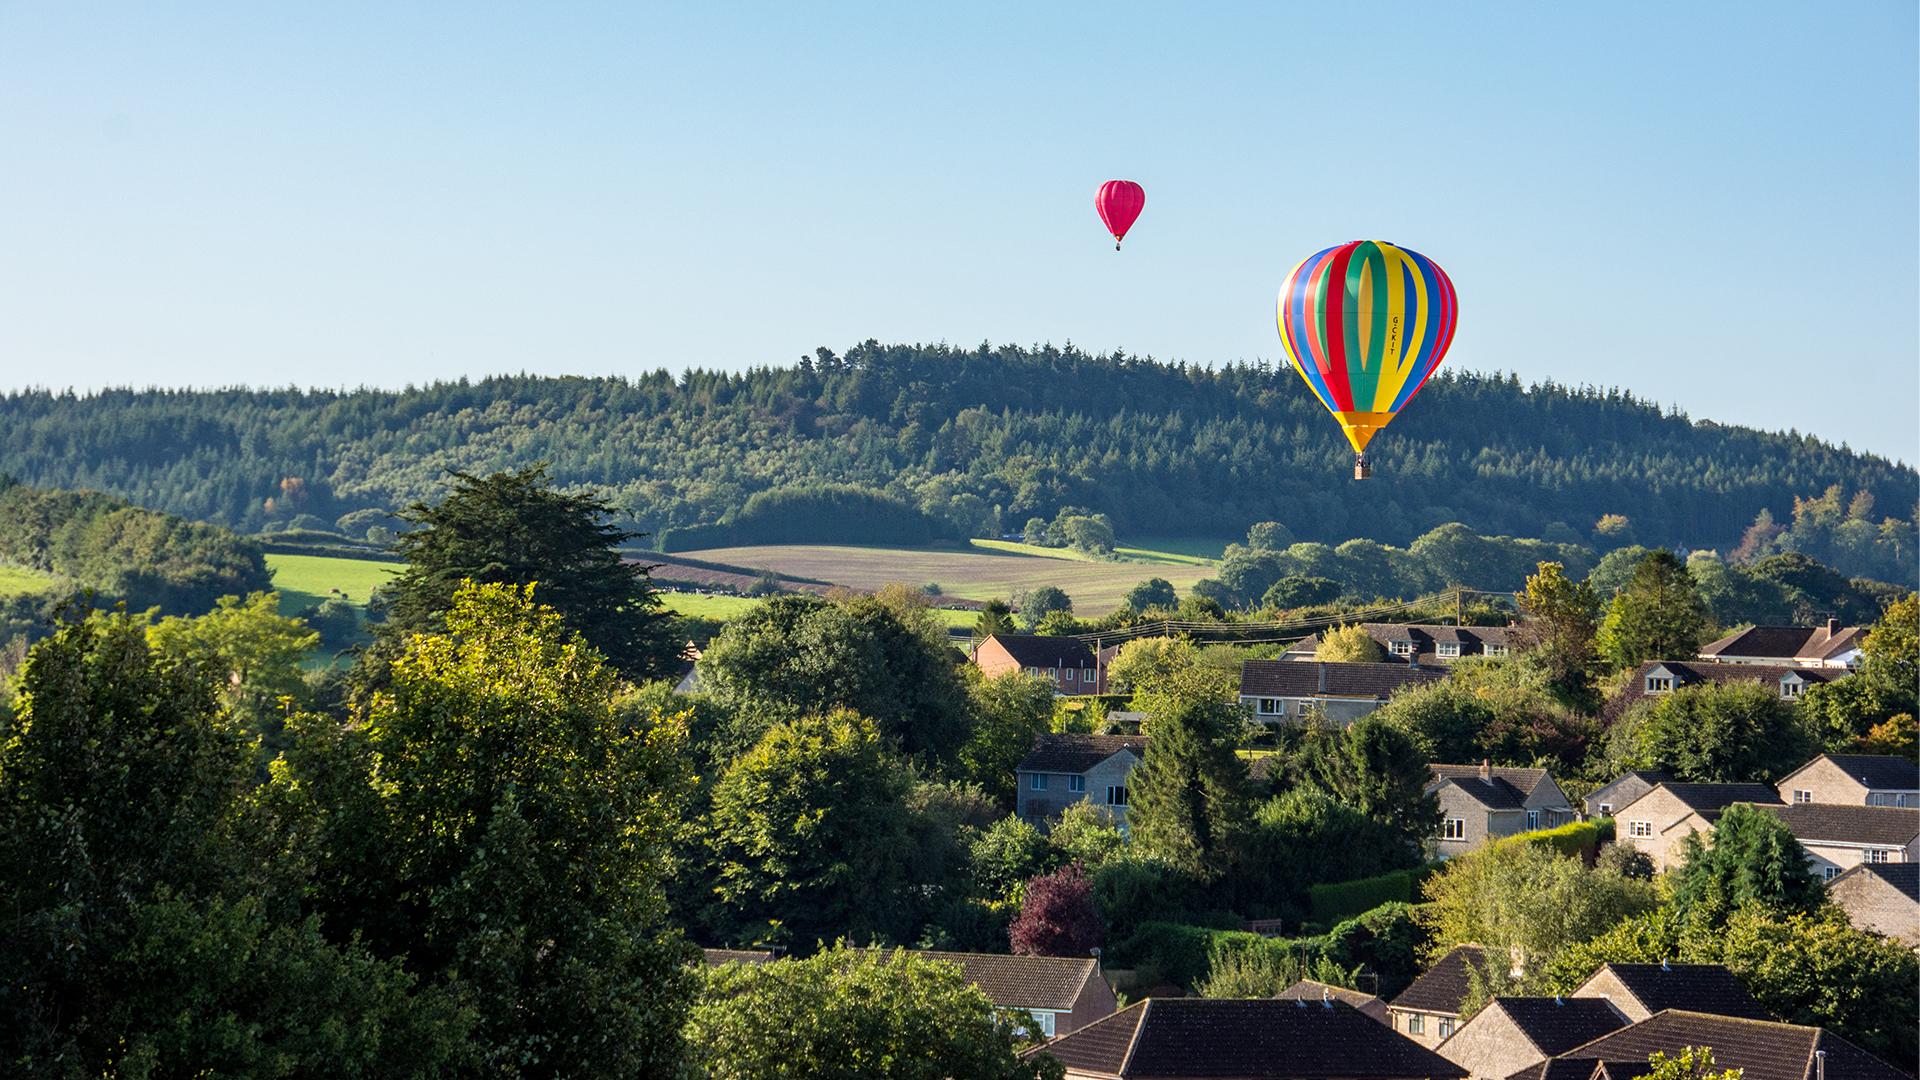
[[1835, 823], [1265, 1039], [1521, 779], [1424, 636], [1442, 987], [1764, 1050], [1876, 772], [1707, 988], [1036, 650], [1788, 643], [1695, 672], [1502, 788], [1492, 794], [1904, 876], [1309, 990], [1711, 799], [1024, 982], [1557, 1024], [1293, 678], [1074, 753]]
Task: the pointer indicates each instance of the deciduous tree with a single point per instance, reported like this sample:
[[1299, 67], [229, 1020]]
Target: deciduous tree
[[1349, 645], [1057, 916], [1658, 615]]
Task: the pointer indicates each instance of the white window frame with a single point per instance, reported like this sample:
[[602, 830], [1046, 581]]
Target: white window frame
[[1302, 707], [1446, 1027], [1272, 706], [1037, 781], [1453, 828], [1606, 809], [1659, 684], [1070, 674], [1640, 829], [1533, 820], [1878, 855], [1076, 784], [1447, 650], [1400, 648], [1792, 688], [1495, 650], [1112, 790], [1802, 795], [1416, 1024], [1046, 1022], [1828, 873]]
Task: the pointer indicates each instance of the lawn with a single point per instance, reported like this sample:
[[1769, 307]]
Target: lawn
[[987, 570], [17, 582], [1184, 551], [303, 581]]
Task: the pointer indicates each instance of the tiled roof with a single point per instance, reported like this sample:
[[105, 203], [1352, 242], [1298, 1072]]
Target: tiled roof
[[1707, 988], [1073, 753], [1695, 672], [1523, 780], [716, 957], [1024, 982], [1309, 990], [1473, 640], [1557, 1069], [1293, 678], [1556, 1025], [1787, 642], [1904, 876], [1493, 794], [1842, 824], [1264, 1039], [1442, 987], [1036, 650], [1764, 1050], [1879, 772], [1511, 786], [1713, 798]]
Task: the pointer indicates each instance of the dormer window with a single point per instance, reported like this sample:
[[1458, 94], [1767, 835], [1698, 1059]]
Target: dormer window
[[1791, 688], [1659, 684], [1400, 648], [1496, 650], [1448, 650]]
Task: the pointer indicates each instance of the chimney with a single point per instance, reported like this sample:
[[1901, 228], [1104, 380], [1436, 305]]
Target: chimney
[[1833, 629], [1664, 966], [1820, 1065], [1486, 769], [1326, 998]]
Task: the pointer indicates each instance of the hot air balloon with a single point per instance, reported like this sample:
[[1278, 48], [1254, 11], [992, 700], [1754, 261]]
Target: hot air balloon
[[1365, 324], [1119, 203]]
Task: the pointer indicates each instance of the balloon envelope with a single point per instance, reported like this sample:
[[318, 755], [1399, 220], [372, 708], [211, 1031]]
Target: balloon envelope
[[1119, 203], [1365, 324]]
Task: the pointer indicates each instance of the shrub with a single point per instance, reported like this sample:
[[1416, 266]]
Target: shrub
[[1334, 901]]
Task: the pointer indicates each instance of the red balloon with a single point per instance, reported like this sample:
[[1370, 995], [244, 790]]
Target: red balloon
[[1119, 203]]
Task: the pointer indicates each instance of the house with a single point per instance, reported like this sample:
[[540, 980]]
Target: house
[[1829, 646], [1067, 768], [1063, 994], [1069, 662], [1657, 677], [1760, 1049], [1882, 897], [1263, 1039], [1640, 990], [1624, 788], [1483, 802], [1512, 1033], [1279, 690], [1855, 780], [1660, 820], [716, 957], [1309, 991], [1428, 1010], [1842, 837], [1423, 644]]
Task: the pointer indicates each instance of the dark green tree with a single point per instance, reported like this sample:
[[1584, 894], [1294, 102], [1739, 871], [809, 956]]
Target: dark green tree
[[1562, 619], [1295, 591], [1377, 768], [1009, 713], [1719, 733], [995, 618], [517, 528], [1151, 593], [1190, 799], [1658, 615], [1752, 858], [1042, 602]]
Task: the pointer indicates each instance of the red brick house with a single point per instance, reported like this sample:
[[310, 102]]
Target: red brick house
[[1069, 662]]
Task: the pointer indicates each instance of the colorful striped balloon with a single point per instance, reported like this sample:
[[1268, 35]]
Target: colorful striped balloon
[[1365, 324]]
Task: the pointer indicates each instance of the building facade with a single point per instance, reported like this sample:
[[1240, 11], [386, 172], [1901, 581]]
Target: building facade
[[1067, 768]]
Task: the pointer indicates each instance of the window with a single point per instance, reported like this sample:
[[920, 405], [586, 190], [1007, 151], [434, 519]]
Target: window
[[1879, 855], [1416, 1024], [1454, 829], [1496, 650], [1447, 650], [1791, 688], [1828, 873], [1800, 796], [1400, 648], [1045, 1020], [1606, 809], [1117, 795], [1053, 673], [1037, 782], [1446, 1028], [1076, 783], [1271, 706], [1639, 828], [1659, 684], [1303, 706], [1033, 671], [1533, 820], [1070, 674], [1086, 676]]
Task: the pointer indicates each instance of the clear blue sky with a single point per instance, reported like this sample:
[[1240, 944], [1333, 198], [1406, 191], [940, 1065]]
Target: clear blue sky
[[1713, 205]]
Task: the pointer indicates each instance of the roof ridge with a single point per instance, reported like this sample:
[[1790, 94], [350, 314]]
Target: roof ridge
[[1133, 1040]]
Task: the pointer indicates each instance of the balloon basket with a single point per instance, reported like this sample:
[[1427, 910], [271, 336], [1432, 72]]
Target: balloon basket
[[1362, 468]]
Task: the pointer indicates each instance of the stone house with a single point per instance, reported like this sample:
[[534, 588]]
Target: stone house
[[1511, 1033], [1422, 644], [1659, 677], [1281, 691], [1882, 897], [1641, 990], [1829, 646], [1428, 1010], [1070, 768], [1062, 994], [1258, 1039], [1483, 802], [1854, 780], [1838, 838], [1069, 662], [1623, 789], [1659, 821], [1310, 991], [1759, 1049]]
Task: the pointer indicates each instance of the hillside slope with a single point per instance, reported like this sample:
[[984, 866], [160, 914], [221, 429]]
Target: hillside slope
[[953, 442]]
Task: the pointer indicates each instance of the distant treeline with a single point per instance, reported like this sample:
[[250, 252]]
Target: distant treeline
[[970, 443], [96, 544]]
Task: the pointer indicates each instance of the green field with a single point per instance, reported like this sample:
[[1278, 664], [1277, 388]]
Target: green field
[[989, 569], [17, 582], [303, 581]]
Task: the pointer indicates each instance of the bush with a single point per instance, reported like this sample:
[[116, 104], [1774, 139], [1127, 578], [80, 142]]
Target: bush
[[1582, 838], [1335, 901]]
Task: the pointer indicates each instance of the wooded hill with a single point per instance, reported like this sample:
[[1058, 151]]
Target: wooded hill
[[902, 443]]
